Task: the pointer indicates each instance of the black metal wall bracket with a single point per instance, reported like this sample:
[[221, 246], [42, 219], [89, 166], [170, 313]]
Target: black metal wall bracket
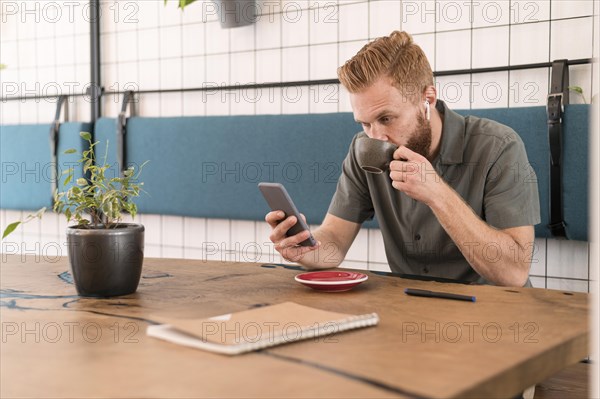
[[128, 98], [555, 107], [54, 137]]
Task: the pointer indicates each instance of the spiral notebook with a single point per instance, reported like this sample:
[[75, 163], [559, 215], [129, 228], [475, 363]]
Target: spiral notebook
[[257, 328]]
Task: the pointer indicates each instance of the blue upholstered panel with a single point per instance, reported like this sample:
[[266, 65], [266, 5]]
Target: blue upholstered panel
[[26, 162], [576, 146], [24, 153], [530, 124], [69, 138], [106, 150], [210, 166]]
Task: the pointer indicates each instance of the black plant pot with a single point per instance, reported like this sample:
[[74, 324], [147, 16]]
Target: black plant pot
[[106, 262]]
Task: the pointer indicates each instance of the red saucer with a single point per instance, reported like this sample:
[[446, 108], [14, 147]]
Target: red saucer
[[331, 281]]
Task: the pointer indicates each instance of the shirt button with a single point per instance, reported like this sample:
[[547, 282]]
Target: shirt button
[[417, 237]]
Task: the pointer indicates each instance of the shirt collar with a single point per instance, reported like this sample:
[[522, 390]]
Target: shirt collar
[[453, 135]]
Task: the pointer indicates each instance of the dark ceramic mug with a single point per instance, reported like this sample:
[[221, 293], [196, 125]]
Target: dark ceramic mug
[[374, 156]]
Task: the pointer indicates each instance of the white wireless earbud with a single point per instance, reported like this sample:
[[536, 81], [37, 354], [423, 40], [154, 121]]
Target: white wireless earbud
[[427, 110]]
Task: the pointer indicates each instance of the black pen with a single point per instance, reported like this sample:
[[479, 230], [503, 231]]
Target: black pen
[[435, 294]]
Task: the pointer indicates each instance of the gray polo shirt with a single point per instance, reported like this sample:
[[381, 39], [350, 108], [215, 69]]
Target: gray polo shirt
[[483, 161]]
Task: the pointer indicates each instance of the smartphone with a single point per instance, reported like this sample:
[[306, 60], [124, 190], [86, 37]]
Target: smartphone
[[279, 200]]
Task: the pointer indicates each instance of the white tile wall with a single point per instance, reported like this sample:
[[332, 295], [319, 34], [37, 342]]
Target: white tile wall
[[153, 229], [568, 259], [530, 11], [529, 43], [528, 87], [170, 73], [217, 69], [268, 66], [296, 61], [147, 44], [217, 40], [170, 41], [348, 15], [11, 113], [171, 104], [490, 46], [538, 258], [324, 99], [346, 51], [324, 23], [360, 248], [427, 42], [294, 25], [242, 68], [267, 35], [242, 39], [453, 50], [323, 61], [27, 54], [581, 75], [172, 231], [154, 46], [272, 101], [490, 13], [376, 248], [418, 16], [295, 100], [455, 90], [572, 8], [538, 282], [562, 33], [384, 17], [489, 90], [567, 285]]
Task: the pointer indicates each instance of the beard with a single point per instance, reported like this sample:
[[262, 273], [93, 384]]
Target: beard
[[420, 139]]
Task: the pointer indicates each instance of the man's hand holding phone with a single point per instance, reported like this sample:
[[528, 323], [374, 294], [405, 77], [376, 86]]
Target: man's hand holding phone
[[289, 246], [291, 235]]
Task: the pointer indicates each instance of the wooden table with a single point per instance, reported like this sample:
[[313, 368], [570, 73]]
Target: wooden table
[[56, 344]]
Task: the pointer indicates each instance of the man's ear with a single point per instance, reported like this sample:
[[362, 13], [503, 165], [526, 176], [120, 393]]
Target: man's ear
[[430, 94]]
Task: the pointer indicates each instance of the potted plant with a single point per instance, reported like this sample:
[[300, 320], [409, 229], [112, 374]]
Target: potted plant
[[105, 255]]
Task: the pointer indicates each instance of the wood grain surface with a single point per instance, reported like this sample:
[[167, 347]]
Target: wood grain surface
[[58, 345]]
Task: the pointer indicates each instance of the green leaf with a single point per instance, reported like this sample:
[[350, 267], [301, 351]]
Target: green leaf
[[68, 180], [133, 210], [81, 181], [576, 89], [70, 151], [183, 3], [86, 136], [10, 228]]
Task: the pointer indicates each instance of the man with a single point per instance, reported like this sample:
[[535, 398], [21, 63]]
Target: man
[[458, 201]]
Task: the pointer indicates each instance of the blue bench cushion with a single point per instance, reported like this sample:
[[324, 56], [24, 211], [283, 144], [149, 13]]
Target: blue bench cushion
[[530, 124], [210, 166], [26, 162]]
